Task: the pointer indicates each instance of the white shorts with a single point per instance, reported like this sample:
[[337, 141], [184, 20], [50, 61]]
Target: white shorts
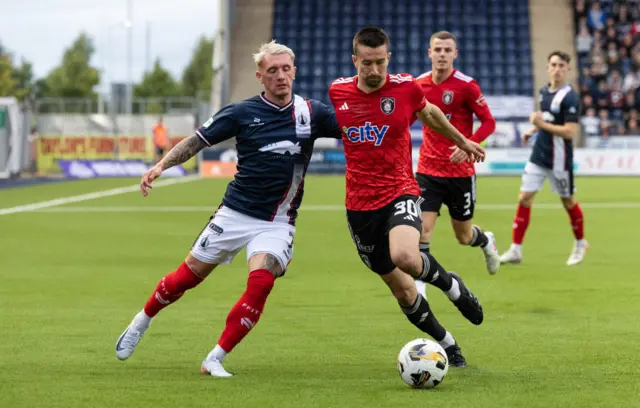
[[229, 231], [534, 176]]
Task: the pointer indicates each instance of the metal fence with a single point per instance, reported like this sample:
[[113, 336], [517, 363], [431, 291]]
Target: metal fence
[[198, 106]]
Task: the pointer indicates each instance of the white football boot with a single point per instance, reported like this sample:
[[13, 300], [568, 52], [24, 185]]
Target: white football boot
[[130, 338], [579, 250], [491, 255], [213, 367], [513, 255]]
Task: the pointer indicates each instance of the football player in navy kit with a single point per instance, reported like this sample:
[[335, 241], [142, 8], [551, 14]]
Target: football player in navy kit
[[555, 126], [275, 132]]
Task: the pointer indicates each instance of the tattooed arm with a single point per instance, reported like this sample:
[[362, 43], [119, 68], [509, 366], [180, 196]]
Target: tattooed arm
[[222, 126], [182, 152]]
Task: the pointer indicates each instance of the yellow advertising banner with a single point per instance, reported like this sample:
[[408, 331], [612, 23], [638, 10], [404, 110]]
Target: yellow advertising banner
[[53, 148]]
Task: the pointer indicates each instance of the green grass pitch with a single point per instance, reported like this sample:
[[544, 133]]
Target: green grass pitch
[[73, 276]]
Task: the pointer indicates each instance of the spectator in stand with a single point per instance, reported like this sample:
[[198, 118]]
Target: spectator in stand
[[614, 79], [617, 102], [598, 68], [619, 129], [633, 119], [596, 16], [632, 127], [631, 81], [601, 95], [587, 99], [611, 36], [625, 61], [605, 123], [631, 102], [608, 46], [623, 20], [587, 103], [584, 40], [581, 10], [591, 123], [613, 58], [627, 42]]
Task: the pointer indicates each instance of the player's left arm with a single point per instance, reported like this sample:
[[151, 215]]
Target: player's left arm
[[571, 108], [480, 108]]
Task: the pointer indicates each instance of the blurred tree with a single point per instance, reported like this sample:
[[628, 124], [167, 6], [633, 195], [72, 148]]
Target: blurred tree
[[156, 84], [196, 78], [23, 75], [74, 77], [7, 77], [14, 80]]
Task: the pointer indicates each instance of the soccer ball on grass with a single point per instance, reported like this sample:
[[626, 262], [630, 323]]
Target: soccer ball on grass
[[422, 363]]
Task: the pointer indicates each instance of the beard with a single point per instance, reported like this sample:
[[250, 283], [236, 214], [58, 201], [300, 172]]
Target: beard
[[373, 81]]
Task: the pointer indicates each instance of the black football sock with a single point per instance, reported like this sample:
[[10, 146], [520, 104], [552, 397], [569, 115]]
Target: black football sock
[[479, 239], [425, 247], [422, 317], [434, 274]]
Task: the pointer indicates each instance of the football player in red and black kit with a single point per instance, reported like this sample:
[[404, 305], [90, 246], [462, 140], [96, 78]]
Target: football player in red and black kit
[[374, 110], [441, 181]]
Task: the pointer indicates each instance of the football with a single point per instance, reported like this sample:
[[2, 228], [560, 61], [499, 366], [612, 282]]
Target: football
[[422, 363]]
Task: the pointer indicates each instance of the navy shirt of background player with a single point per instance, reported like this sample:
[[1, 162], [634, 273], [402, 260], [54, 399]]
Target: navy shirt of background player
[[274, 147], [558, 107]]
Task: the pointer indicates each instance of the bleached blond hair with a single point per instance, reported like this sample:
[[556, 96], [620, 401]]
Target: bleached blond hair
[[272, 48]]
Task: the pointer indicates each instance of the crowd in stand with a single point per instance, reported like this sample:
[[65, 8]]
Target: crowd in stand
[[608, 48]]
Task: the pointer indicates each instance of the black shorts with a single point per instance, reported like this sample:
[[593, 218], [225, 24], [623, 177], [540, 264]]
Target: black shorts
[[159, 151], [457, 193], [370, 230]]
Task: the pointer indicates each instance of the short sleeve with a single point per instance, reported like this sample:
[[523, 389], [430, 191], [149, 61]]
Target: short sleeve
[[571, 107], [418, 100], [220, 127]]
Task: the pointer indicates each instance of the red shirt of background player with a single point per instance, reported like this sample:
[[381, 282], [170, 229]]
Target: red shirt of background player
[[377, 140], [459, 97]]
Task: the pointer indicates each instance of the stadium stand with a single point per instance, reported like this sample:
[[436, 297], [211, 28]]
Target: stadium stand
[[493, 38], [608, 48]]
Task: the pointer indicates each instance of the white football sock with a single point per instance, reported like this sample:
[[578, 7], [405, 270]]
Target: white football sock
[[421, 287], [447, 341], [454, 293], [217, 353], [142, 319]]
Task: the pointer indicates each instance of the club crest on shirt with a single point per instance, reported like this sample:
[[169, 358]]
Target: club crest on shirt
[[447, 97], [387, 105]]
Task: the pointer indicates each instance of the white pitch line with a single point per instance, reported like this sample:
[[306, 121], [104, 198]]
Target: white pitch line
[[43, 205], [483, 207]]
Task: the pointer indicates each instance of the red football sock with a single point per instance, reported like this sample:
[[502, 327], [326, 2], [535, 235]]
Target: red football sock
[[171, 288], [577, 221], [520, 224], [246, 312]]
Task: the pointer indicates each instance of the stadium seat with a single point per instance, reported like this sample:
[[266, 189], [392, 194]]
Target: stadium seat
[[499, 55]]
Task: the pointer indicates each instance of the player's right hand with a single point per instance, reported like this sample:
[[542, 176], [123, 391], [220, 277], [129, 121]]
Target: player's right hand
[[147, 178], [474, 151]]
